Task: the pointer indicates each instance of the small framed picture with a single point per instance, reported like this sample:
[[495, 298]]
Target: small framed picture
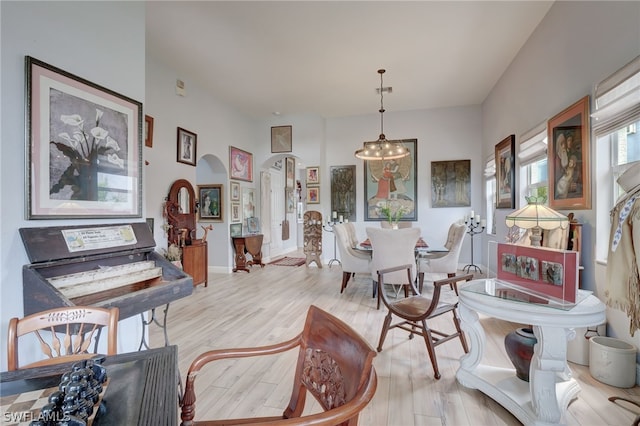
[[253, 225], [235, 191], [236, 213], [505, 173], [281, 139], [313, 175], [290, 170], [313, 195], [235, 229], [148, 131], [187, 142], [211, 203], [240, 164]]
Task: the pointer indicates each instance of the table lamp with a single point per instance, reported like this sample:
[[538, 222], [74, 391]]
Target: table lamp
[[537, 216]]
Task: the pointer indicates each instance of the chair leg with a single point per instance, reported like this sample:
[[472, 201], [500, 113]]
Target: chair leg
[[463, 339], [375, 288], [345, 280], [428, 339], [420, 281], [385, 329]]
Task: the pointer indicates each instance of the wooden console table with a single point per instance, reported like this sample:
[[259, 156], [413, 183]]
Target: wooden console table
[[544, 400], [252, 244], [194, 262]]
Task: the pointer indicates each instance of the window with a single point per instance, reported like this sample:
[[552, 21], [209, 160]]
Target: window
[[616, 119], [532, 156], [490, 194]]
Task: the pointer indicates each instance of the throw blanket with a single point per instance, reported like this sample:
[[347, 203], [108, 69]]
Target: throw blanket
[[623, 280]]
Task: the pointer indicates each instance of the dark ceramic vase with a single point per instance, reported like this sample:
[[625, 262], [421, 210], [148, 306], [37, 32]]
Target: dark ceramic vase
[[519, 345]]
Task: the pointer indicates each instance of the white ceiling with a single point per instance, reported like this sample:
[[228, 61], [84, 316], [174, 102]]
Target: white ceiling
[[322, 57]]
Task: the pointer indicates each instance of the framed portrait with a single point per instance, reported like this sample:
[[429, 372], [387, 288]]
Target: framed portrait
[[313, 175], [240, 164], [148, 131], [187, 144], [392, 181], [290, 200], [84, 142], [235, 191], [281, 139], [313, 195], [248, 202], [451, 183], [235, 230], [236, 213], [300, 212], [568, 160], [253, 225], [343, 191], [211, 203], [290, 170], [505, 173]]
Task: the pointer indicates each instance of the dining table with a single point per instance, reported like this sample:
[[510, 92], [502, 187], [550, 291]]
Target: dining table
[[142, 389]]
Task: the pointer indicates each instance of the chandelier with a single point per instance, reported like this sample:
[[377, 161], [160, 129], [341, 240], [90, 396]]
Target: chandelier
[[382, 149]]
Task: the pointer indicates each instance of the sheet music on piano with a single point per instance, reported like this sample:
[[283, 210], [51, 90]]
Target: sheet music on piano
[[98, 265]]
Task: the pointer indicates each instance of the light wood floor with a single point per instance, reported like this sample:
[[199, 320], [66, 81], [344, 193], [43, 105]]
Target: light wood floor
[[269, 305]]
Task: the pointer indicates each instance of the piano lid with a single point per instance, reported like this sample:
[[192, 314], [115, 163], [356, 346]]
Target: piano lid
[[55, 243]]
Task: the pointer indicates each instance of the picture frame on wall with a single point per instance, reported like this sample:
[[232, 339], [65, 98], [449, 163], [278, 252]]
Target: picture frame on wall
[[505, 173], [379, 190], [281, 139], [240, 164], [235, 230], [451, 183], [253, 225], [290, 171], [313, 195], [313, 175], [236, 213], [569, 162], [148, 131], [248, 202], [234, 193], [187, 145], [70, 178], [343, 191], [211, 203], [290, 200]]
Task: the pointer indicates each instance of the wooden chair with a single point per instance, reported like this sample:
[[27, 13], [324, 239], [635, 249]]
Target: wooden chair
[[335, 365], [414, 312], [64, 334]]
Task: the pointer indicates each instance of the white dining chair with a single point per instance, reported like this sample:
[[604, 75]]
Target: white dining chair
[[352, 261], [391, 248]]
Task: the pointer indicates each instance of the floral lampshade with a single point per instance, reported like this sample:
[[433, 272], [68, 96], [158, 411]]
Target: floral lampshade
[[537, 216]]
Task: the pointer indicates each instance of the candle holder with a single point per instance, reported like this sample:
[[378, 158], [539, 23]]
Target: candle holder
[[474, 226], [329, 228]]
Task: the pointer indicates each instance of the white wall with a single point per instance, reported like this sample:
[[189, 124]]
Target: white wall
[[217, 127], [102, 42], [574, 47]]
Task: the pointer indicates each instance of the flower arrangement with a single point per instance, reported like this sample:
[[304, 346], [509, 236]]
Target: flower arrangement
[[393, 212], [84, 150]]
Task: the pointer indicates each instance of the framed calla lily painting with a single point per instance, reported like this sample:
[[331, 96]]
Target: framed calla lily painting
[[84, 147]]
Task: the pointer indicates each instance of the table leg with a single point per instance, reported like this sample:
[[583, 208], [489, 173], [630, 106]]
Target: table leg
[[470, 324]]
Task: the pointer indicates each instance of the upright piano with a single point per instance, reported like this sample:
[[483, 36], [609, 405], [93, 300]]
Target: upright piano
[[99, 265]]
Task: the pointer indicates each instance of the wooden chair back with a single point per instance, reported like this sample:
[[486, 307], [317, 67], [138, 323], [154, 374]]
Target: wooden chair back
[[63, 334], [335, 365], [415, 310]]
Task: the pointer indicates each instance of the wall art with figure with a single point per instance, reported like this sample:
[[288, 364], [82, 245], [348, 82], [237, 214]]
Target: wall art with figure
[[211, 203], [85, 145], [451, 183], [343, 191], [392, 182], [568, 158]]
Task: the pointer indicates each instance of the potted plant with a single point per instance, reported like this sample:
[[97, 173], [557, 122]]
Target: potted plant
[[393, 211]]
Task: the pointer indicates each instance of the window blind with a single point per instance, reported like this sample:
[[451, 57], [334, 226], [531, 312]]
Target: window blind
[[533, 144], [617, 99], [490, 167]]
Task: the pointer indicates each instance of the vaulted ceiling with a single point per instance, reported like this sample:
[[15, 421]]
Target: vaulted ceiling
[[322, 57]]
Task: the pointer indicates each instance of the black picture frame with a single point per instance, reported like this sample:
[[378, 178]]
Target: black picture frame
[[451, 183], [187, 145], [89, 138], [505, 173], [343, 191]]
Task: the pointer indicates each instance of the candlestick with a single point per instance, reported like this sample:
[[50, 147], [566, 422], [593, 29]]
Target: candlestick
[[334, 214]]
